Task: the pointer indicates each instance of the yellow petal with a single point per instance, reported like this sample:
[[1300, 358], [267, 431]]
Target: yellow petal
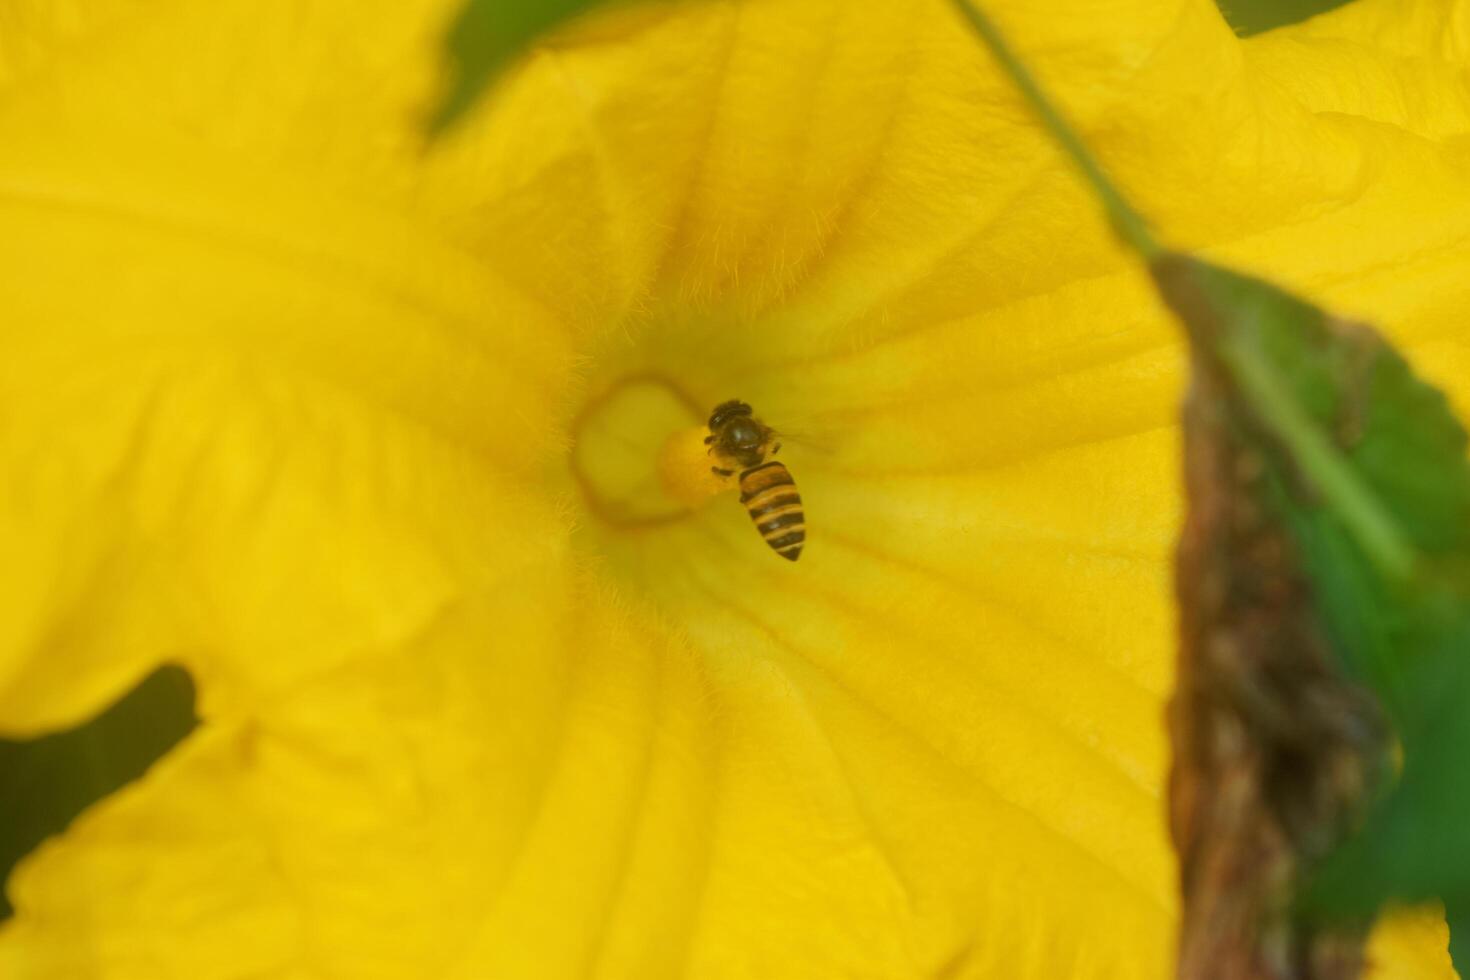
[[1411, 942], [244, 415], [297, 405]]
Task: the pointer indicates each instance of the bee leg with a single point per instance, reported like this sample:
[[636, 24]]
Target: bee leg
[[708, 440], [776, 449], [719, 472]]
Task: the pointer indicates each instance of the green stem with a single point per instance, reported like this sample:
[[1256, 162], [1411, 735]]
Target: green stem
[[1373, 529], [1128, 223]]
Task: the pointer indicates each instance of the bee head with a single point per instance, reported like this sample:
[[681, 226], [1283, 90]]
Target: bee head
[[736, 434]]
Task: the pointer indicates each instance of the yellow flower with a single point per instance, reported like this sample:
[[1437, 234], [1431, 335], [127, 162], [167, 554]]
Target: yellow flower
[[385, 447]]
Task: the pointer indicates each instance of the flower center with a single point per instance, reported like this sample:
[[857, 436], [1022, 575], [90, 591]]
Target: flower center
[[638, 453]]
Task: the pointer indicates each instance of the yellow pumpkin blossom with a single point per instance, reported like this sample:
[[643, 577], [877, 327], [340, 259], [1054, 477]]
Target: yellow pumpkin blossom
[[391, 448]]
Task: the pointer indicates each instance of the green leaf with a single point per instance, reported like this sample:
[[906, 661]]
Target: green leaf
[[46, 782], [1249, 17], [1458, 917], [483, 41], [1370, 482]]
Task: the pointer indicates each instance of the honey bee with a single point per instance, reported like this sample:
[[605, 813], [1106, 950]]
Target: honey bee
[[739, 440]]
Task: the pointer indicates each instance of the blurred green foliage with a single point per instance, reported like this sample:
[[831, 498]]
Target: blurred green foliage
[[46, 782], [1254, 16], [1370, 482], [485, 38]]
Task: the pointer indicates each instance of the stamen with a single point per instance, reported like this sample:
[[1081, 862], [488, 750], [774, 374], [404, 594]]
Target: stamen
[[620, 453], [684, 468]]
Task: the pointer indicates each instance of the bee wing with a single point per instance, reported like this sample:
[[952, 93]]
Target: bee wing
[[818, 445]]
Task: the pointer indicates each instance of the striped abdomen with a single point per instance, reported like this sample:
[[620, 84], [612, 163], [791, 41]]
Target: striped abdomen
[[769, 494]]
